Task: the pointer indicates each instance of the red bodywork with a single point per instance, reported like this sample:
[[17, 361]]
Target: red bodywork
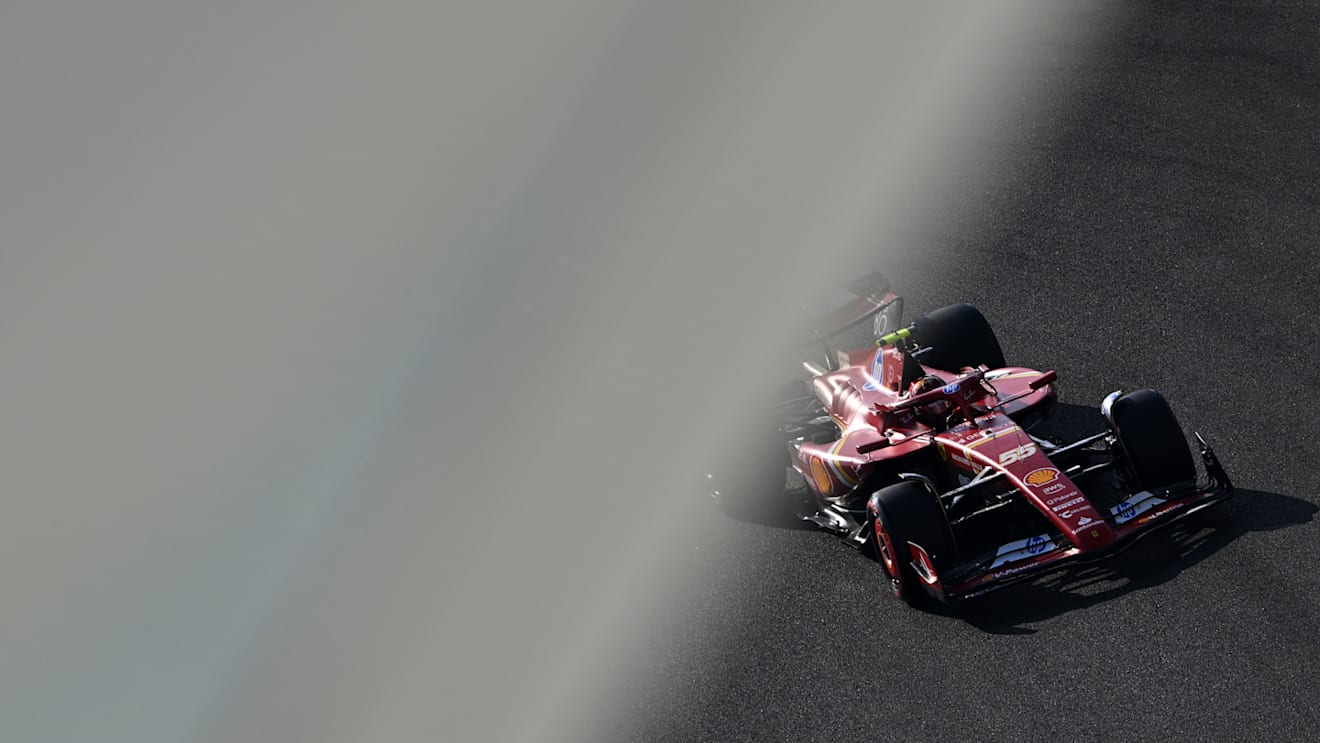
[[868, 382], [880, 427]]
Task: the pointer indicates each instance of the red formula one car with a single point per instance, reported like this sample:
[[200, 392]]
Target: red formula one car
[[918, 450]]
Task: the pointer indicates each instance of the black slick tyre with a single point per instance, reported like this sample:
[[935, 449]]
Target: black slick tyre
[[902, 513], [958, 335], [1152, 441]]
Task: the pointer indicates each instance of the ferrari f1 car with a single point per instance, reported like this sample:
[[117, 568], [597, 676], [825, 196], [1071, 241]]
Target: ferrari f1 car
[[918, 450]]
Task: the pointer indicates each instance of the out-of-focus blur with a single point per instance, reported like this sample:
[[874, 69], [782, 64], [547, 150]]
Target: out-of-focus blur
[[358, 358]]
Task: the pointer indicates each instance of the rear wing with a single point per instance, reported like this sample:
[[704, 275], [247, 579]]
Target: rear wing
[[862, 302]]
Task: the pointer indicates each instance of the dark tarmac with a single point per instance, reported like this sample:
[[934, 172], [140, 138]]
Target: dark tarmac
[[1159, 227]]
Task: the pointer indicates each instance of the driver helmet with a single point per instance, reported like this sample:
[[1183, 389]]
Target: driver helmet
[[935, 411]]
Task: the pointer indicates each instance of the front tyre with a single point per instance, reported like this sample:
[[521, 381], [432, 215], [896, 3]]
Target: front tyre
[[1151, 439], [902, 513]]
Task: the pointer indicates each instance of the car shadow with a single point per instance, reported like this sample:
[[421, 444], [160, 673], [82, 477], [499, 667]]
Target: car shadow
[[1154, 559], [774, 511], [1070, 422]]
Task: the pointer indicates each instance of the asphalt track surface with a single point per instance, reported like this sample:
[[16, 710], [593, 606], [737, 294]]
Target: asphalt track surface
[[1159, 226]]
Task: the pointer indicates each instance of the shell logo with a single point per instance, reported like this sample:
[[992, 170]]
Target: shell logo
[[1042, 476]]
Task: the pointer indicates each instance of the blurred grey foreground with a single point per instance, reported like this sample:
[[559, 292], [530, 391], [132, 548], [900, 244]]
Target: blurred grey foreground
[[352, 354]]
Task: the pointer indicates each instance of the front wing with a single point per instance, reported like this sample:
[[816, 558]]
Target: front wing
[[1138, 515]]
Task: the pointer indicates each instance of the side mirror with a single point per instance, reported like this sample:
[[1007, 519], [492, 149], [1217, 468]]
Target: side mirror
[[1045, 379], [876, 445]]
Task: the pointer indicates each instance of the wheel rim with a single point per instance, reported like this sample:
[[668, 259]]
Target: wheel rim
[[885, 546]]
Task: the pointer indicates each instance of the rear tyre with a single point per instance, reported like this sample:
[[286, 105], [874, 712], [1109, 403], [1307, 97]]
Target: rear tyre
[[902, 513], [958, 336], [1153, 442]]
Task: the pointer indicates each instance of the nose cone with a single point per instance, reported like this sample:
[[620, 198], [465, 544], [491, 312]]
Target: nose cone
[[1093, 536]]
